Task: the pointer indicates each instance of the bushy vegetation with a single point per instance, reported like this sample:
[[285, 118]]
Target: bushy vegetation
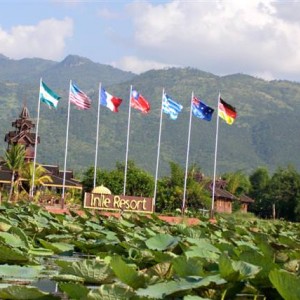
[[276, 195]]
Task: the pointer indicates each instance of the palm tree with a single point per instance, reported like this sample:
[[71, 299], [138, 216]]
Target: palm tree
[[40, 177], [14, 160]]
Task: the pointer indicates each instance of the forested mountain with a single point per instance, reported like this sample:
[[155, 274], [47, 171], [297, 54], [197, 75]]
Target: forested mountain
[[266, 131]]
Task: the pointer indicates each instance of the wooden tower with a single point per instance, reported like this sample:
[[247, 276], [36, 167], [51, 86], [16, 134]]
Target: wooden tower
[[22, 134]]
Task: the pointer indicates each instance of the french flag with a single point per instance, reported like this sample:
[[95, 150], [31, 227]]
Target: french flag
[[111, 102]]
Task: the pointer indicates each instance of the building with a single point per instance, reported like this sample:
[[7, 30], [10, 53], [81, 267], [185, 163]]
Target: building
[[245, 201], [222, 198], [22, 135]]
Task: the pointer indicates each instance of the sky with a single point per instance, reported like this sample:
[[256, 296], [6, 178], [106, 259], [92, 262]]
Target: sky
[[255, 37]]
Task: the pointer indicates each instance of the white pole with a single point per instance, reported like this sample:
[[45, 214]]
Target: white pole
[[127, 144], [158, 149], [187, 158], [215, 163], [36, 142], [66, 149], [97, 137]]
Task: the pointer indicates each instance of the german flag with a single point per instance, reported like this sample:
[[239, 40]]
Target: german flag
[[227, 112]]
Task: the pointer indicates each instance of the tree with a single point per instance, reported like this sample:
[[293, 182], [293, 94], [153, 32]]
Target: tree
[[139, 182], [102, 177], [259, 181], [14, 160], [171, 189], [284, 192], [237, 183], [40, 175]]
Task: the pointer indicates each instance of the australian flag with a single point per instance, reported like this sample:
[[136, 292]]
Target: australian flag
[[201, 110]]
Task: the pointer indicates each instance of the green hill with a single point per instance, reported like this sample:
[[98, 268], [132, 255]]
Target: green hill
[[266, 131]]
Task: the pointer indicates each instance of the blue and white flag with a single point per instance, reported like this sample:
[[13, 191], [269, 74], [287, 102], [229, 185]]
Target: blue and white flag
[[170, 107], [201, 110]]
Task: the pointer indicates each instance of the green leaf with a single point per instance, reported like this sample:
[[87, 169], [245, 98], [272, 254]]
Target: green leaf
[[111, 292], [163, 289], [162, 242], [74, 290], [127, 274], [68, 278], [20, 272], [19, 292], [287, 284], [21, 234], [8, 254], [92, 271], [12, 240], [4, 224], [236, 270], [184, 266], [40, 252], [58, 248], [194, 298], [196, 251], [72, 228]]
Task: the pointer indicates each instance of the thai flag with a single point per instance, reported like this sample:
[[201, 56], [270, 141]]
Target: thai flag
[[109, 101], [79, 98], [139, 102]]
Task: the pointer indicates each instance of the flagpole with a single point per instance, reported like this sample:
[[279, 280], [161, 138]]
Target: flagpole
[[36, 142], [97, 136], [66, 150], [187, 158], [215, 163], [127, 143], [158, 150]]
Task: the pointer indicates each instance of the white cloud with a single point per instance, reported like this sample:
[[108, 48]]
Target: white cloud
[[107, 14], [45, 40], [249, 36], [137, 66]]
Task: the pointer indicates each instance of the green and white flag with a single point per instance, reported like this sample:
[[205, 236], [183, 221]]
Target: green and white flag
[[48, 96]]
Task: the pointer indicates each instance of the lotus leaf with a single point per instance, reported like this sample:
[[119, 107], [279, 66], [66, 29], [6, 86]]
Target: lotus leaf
[[196, 251], [184, 266], [58, 248], [194, 298], [126, 273], [162, 242], [92, 271], [9, 254], [72, 228], [12, 239], [19, 292], [236, 270], [68, 278], [287, 284], [163, 289], [14, 271], [111, 292], [74, 290]]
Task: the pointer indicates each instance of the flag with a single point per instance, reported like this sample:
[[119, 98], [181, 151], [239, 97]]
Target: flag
[[48, 96], [109, 101], [170, 107], [227, 112], [201, 110], [139, 102], [79, 98]]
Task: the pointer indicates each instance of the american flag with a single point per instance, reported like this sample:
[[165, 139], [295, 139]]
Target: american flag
[[79, 98]]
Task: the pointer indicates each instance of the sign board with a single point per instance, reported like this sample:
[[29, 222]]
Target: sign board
[[118, 203]]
